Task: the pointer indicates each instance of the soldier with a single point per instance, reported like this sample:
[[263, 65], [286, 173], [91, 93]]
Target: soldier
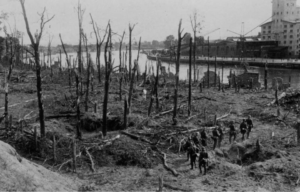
[[243, 129], [203, 138], [215, 137], [193, 155], [196, 139], [221, 136], [188, 146], [203, 160], [249, 125], [232, 132]]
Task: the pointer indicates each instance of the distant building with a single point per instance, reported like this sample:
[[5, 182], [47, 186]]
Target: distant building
[[284, 27]]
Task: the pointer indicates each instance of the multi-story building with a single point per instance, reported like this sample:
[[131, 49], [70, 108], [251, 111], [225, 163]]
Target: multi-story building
[[284, 26]]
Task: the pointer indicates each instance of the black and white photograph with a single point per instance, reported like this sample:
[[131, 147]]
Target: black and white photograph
[[150, 95]]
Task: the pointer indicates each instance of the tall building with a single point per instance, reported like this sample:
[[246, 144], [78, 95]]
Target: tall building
[[284, 26]]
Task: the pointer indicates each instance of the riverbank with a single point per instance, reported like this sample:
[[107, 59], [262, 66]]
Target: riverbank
[[254, 62], [135, 163]]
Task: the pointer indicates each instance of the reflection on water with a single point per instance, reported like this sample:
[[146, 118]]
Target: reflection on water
[[272, 72]]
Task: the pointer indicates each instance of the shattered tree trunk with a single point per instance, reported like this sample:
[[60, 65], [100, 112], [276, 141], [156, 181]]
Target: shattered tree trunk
[[131, 87], [67, 59], [208, 65], [266, 77], [130, 55], [177, 73], [137, 59], [190, 79], [156, 83], [35, 45], [88, 62], [107, 76], [120, 66], [99, 43], [125, 113]]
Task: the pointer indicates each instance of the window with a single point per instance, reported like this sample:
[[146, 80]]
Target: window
[[291, 31], [285, 31], [287, 12], [264, 32], [284, 42], [284, 36], [291, 25], [263, 37], [269, 27], [291, 36], [269, 31], [269, 37], [287, 4], [291, 42], [285, 26]]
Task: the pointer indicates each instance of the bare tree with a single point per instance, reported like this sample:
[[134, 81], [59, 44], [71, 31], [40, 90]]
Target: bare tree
[[177, 71], [88, 73], [108, 69], [35, 42], [190, 78], [130, 36], [196, 26], [120, 67], [99, 43], [67, 59], [80, 13]]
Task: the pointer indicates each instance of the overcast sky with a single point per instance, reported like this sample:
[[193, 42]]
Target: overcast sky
[[155, 19]]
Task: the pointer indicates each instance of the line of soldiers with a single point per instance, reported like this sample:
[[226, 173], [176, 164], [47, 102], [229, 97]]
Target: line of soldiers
[[195, 141]]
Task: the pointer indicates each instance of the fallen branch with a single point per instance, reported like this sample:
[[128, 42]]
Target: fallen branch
[[137, 137], [164, 159], [68, 161], [226, 115], [188, 131], [91, 159], [167, 112]]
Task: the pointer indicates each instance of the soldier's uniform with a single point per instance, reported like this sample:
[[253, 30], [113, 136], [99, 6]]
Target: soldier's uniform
[[203, 138], [215, 137], [232, 132], [243, 129], [193, 155], [249, 126], [221, 136], [203, 160]]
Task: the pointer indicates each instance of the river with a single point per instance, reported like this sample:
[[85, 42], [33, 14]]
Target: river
[[272, 72]]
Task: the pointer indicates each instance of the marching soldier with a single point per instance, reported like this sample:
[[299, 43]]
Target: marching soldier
[[215, 137], [249, 126], [232, 132], [243, 129], [203, 160]]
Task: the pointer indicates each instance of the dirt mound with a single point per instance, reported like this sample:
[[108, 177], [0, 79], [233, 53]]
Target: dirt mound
[[19, 174], [126, 152]]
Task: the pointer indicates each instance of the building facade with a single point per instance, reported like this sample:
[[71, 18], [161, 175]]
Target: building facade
[[284, 26]]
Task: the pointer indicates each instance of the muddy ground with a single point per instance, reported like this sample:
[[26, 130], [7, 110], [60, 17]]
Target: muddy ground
[[135, 165]]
